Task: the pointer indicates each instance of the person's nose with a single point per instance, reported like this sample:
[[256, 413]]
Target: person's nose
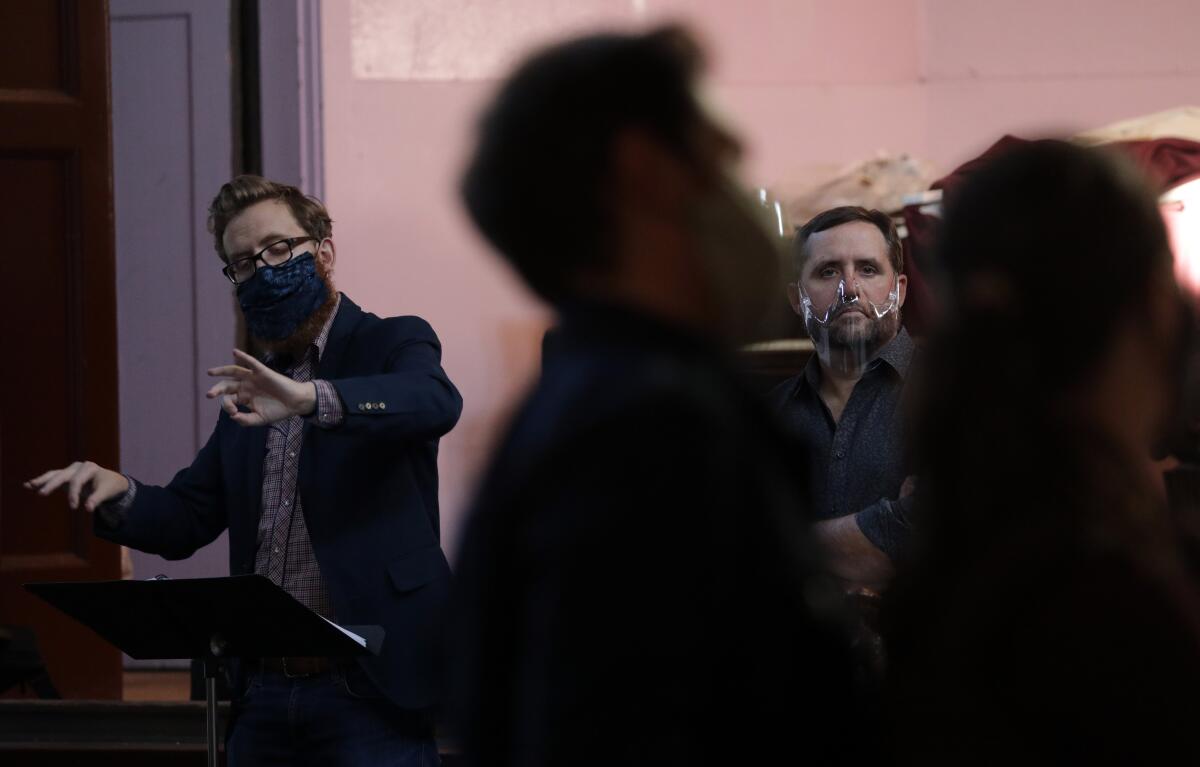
[[848, 288]]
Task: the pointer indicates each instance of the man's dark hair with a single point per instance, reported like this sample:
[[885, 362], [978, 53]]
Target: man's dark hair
[[1035, 236], [844, 215], [537, 182]]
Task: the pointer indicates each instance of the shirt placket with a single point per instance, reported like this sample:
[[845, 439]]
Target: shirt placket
[[281, 529], [839, 463], [843, 439]]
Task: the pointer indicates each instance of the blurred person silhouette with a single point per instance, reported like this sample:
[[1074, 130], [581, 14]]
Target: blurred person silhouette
[[1047, 615], [632, 586]]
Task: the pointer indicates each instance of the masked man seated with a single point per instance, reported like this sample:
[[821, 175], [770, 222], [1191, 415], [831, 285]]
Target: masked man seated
[[846, 405]]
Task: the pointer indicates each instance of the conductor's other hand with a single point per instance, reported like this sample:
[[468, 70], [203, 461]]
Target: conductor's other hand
[[268, 395], [85, 482]]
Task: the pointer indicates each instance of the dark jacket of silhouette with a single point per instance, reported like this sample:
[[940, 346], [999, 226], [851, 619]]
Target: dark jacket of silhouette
[[631, 587]]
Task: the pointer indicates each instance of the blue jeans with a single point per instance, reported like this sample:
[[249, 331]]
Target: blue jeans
[[337, 718]]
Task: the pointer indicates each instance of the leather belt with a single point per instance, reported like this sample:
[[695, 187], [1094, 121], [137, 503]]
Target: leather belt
[[298, 667]]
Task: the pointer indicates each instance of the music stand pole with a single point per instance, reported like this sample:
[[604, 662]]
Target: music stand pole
[[212, 665]]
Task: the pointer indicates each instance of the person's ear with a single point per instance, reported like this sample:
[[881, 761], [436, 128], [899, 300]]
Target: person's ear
[[902, 281], [326, 253]]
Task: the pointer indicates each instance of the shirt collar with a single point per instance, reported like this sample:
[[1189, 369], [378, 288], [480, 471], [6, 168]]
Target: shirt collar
[[323, 337], [897, 354]]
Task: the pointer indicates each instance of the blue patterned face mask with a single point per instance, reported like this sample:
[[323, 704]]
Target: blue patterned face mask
[[280, 298]]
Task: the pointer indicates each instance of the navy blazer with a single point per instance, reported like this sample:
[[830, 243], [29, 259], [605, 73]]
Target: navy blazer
[[369, 490]]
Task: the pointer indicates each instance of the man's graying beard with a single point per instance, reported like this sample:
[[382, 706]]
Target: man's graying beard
[[869, 337]]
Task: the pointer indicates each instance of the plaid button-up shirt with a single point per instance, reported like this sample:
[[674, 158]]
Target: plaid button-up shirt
[[285, 553]]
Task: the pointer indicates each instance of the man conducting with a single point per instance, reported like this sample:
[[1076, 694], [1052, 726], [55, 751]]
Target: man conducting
[[323, 466], [846, 405]]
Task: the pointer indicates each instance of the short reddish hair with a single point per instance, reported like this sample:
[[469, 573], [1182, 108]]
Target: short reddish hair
[[246, 190]]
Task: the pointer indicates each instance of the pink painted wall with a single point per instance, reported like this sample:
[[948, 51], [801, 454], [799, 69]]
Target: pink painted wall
[[809, 82], [1027, 65]]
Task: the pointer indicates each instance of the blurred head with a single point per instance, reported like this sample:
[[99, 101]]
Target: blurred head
[[849, 284], [1059, 290], [278, 251], [597, 172]]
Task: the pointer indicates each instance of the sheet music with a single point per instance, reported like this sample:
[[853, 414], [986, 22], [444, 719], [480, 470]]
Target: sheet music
[[362, 642]]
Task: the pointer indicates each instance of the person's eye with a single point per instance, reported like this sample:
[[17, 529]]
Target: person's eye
[[827, 272], [280, 248]]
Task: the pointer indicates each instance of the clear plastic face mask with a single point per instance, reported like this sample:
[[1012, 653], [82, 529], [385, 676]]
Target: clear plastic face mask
[[857, 298], [818, 317]]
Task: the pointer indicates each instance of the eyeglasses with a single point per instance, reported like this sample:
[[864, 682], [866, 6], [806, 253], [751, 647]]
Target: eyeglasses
[[277, 253]]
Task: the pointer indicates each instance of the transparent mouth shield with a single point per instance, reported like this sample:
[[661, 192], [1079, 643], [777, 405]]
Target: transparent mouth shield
[[855, 299], [850, 345]]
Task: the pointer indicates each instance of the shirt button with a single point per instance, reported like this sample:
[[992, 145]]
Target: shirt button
[[839, 454], [276, 549], [382, 406], [291, 454], [287, 503]]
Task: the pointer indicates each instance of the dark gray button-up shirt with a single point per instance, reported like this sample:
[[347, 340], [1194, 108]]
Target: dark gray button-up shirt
[[856, 465]]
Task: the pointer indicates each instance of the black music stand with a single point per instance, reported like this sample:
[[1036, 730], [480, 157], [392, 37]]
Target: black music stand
[[209, 619]]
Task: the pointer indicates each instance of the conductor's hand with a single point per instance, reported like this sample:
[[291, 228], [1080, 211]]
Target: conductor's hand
[[85, 481], [270, 396]]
